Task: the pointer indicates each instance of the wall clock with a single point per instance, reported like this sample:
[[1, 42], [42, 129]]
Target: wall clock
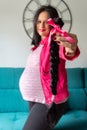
[[30, 9]]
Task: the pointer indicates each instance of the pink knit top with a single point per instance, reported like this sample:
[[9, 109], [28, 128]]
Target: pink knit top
[[35, 84], [30, 82]]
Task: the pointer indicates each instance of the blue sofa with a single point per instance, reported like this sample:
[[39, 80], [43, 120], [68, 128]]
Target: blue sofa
[[14, 110]]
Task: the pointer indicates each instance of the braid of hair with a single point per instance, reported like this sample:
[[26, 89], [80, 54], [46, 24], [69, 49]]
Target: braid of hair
[[54, 61]]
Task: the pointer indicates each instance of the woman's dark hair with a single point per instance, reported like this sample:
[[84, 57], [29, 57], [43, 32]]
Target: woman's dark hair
[[54, 47]]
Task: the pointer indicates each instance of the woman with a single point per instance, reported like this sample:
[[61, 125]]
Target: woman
[[44, 80]]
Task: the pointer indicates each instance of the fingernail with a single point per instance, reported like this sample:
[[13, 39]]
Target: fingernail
[[54, 38]]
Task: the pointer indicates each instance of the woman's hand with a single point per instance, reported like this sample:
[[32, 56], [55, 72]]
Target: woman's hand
[[70, 48]]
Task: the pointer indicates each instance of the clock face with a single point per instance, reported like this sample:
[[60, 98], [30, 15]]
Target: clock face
[[33, 5]]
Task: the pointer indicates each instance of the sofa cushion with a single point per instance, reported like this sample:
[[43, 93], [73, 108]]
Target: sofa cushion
[[11, 101], [70, 121], [12, 121], [73, 120]]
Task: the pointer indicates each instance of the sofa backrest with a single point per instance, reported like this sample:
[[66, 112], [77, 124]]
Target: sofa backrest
[[11, 99], [77, 86], [85, 79]]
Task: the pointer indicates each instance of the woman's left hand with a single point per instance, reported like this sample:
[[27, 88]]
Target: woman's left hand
[[70, 48]]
